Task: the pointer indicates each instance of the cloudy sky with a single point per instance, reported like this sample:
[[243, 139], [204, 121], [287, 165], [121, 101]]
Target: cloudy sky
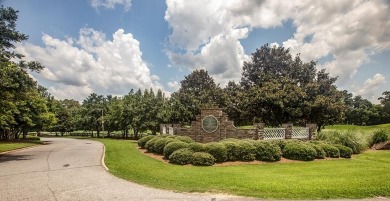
[[112, 46]]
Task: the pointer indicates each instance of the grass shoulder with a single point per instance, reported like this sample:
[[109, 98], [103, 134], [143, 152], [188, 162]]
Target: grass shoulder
[[17, 144], [363, 176]]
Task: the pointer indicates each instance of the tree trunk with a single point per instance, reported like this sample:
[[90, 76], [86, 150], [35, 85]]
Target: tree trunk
[[24, 134]]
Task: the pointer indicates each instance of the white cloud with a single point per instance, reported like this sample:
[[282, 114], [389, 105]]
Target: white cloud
[[207, 33], [111, 3], [96, 65], [174, 85], [370, 86]]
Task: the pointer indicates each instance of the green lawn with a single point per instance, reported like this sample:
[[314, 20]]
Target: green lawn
[[366, 175], [8, 146], [358, 128]]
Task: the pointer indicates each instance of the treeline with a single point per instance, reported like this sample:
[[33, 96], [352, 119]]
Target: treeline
[[275, 88]]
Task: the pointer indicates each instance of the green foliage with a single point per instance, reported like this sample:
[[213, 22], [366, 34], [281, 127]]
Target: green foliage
[[379, 136], [299, 151], [345, 152], [196, 147], [185, 139], [246, 151], [348, 139], [34, 138], [202, 159], [159, 145], [267, 151], [217, 150], [320, 152], [173, 146], [232, 149], [280, 143], [330, 150], [149, 146], [181, 156], [142, 142]]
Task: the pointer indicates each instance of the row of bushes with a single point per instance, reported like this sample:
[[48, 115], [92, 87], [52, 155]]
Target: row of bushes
[[183, 150]]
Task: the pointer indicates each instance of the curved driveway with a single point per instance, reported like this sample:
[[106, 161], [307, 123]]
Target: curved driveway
[[70, 169]]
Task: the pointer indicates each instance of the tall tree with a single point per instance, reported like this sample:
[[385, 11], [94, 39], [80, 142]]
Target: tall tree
[[198, 90]]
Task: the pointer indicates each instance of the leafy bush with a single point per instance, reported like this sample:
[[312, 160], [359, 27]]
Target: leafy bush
[[299, 151], [379, 136], [196, 147], [144, 140], [232, 149], [173, 146], [150, 144], [330, 150], [267, 151], [185, 139], [181, 156], [247, 152], [159, 145], [348, 138], [320, 152], [280, 143], [217, 150], [345, 152], [202, 159], [35, 138]]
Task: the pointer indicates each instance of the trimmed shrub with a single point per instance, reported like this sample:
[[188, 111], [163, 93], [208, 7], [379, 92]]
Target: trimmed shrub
[[217, 150], [330, 150], [233, 150], [181, 156], [345, 152], [150, 144], [202, 159], [159, 145], [144, 140], [320, 152], [379, 136], [267, 151], [173, 146], [299, 151], [196, 147], [348, 138], [280, 143], [247, 152], [185, 139]]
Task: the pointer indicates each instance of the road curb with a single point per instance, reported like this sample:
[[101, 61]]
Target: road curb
[[103, 156]]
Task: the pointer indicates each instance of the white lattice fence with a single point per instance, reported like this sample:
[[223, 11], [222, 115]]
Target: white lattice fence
[[274, 133], [300, 133]]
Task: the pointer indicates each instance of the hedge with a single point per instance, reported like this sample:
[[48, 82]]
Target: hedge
[[217, 150], [181, 156], [345, 152], [202, 159], [267, 151], [320, 152], [144, 140], [159, 145], [150, 144], [173, 146], [232, 149], [299, 151]]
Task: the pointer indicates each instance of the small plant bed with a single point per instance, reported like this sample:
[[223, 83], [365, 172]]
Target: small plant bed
[[182, 150]]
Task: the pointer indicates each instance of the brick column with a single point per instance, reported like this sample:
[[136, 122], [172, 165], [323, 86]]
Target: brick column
[[288, 131], [312, 130], [259, 131]]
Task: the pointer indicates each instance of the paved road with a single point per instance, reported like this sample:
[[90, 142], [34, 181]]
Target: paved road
[[70, 169]]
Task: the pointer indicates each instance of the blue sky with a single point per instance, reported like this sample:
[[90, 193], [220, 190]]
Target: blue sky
[[112, 46]]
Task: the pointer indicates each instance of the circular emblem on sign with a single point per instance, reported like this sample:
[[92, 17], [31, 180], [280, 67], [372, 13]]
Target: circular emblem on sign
[[210, 124]]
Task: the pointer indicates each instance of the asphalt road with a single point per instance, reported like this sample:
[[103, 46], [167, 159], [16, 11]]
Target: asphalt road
[[70, 169]]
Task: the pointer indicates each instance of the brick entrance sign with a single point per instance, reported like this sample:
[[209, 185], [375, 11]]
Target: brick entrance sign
[[213, 125]]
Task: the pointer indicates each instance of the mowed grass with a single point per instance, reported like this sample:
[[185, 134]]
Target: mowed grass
[[358, 128], [365, 175], [12, 145]]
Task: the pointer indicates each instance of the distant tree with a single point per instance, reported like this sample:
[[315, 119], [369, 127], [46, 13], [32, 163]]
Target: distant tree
[[198, 90], [385, 102], [92, 112]]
